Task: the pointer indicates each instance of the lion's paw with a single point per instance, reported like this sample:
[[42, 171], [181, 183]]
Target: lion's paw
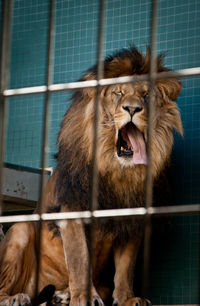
[[61, 298], [83, 301], [136, 301], [16, 300]]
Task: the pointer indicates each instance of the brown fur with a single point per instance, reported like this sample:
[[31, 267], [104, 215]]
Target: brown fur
[[64, 257]]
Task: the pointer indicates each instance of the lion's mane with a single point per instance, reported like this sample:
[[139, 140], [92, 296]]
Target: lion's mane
[[119, 185]]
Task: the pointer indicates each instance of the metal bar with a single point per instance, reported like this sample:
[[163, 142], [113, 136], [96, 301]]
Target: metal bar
[[49, 76], [4, 81], [149, 177], [94, 189], [107, 213], [176, 209], [93, 201], [183, 73]]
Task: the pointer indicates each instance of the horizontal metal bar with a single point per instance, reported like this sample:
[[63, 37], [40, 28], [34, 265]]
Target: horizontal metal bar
[[177, 209], [119, 212], [103, 82], [25, 91], [108, 213]]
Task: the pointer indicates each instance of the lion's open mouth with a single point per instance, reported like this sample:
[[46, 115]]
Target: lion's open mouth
[[131, 143]]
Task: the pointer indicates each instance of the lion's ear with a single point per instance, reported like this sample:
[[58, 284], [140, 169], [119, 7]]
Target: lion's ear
[[170, 88], [177, 123]]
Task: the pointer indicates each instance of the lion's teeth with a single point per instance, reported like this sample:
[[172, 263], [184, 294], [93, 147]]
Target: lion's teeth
[[122, 149]]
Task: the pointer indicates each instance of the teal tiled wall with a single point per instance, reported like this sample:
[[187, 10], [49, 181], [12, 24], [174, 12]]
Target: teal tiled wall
[[174, 264], [175, 267]]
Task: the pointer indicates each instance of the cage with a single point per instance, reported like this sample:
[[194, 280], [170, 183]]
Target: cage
[[45, 48]]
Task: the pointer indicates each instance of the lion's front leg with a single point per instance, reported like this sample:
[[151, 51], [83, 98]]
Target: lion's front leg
[[77, 261], [125, 258]]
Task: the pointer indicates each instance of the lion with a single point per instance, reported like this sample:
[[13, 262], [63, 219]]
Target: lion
[[122, 165]]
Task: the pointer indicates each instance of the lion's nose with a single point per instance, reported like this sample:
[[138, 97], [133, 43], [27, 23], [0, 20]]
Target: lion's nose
[[132, 110]]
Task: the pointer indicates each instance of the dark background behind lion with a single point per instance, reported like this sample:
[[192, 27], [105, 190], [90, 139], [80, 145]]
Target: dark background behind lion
[[174, 258]]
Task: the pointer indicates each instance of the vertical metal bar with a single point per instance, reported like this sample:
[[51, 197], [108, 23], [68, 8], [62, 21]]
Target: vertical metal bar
[[49, 76], [94, 197], [94, 184], [149, 178], [4, 81]]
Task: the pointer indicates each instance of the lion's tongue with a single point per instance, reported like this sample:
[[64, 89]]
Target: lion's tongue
[[137, 145]]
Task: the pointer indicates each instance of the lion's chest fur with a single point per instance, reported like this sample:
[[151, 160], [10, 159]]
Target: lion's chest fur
[[116, 190]]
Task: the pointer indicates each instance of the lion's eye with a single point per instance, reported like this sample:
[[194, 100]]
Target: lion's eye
[[119, 94]]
